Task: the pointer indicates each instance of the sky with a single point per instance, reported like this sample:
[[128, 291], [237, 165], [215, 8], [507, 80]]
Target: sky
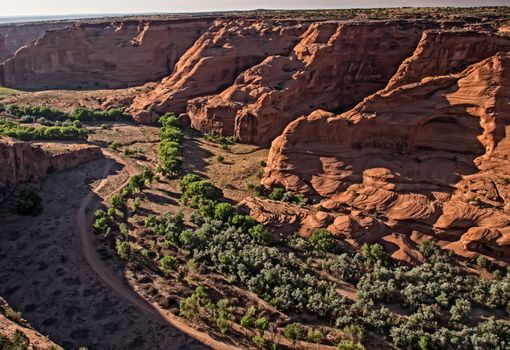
[[66, 7]]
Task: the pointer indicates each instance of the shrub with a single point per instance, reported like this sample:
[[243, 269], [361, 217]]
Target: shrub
[[262, 324], [294, 332], [374, 253], [168, 263], [223, 212], [247, 321], [322, 240], [123, 249], [260, 234], [277, 194], [200, 190], [314, 336], [259, 341], [29, 202], [220, 159], [349, 345]]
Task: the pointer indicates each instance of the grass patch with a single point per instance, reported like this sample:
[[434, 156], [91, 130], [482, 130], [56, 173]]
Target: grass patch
[[8, 92]]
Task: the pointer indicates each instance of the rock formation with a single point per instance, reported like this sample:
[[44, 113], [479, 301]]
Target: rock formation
[[214, 61], [107, 55], [25, 162], [334, 66], [445, 52], [15, 36], [428, 157]]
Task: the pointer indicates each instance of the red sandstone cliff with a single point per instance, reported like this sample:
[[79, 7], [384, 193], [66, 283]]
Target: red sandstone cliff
[[428, 158], [111, 55], [26, 162], [334, 65], [14, 36], [440, 53], [214, 61]]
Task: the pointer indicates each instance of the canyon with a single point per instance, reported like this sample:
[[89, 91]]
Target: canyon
[[286, 81], [298, 167]]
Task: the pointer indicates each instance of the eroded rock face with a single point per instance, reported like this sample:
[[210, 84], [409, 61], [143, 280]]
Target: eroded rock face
[[430, 156], [14, 36], [333, 66], [214, 61], [25, 162], [102, 55], [440, 53]]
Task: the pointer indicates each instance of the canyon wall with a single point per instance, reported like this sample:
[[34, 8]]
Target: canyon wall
[[214, 61], [102, 55], [23, 162], [428, 158], [334, 66], [15, 36]]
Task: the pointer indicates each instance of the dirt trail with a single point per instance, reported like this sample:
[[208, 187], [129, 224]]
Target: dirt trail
[[83, 225]]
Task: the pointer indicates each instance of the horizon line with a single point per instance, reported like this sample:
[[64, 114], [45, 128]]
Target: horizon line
[[234, 10]]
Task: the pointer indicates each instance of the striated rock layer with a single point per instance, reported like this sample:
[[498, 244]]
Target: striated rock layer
[[440, 53], [25, 162], [106, 55], [334, 65], [426, 158], [15, 36], [214, 61]]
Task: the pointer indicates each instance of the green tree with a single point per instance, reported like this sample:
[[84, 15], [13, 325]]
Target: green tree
[[314, 336], [262, 324], [260, 234], [322, 240], [374, 253], [123, 249], [168, 263], [294, 332]]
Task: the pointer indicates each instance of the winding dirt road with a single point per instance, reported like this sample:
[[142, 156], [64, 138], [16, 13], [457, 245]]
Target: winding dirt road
[[83, 226]]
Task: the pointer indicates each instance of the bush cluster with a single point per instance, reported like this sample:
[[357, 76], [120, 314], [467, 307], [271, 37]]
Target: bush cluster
[[27, 133], [169, 150], [32, 113], [279, 194]]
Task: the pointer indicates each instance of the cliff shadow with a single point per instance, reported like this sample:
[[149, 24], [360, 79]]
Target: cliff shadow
[[46, 275]]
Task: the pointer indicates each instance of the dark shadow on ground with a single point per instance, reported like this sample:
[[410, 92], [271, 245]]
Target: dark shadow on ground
[[45, 275]]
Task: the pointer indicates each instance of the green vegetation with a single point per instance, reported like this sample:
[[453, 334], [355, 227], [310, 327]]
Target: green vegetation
[[29, 202], [33, 113], [199, 306], [222, 140], [322, 240], [17, 341], [7, 92], [169, 150], [279, 194], [27, 133], [295, 332], [168, 263]]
